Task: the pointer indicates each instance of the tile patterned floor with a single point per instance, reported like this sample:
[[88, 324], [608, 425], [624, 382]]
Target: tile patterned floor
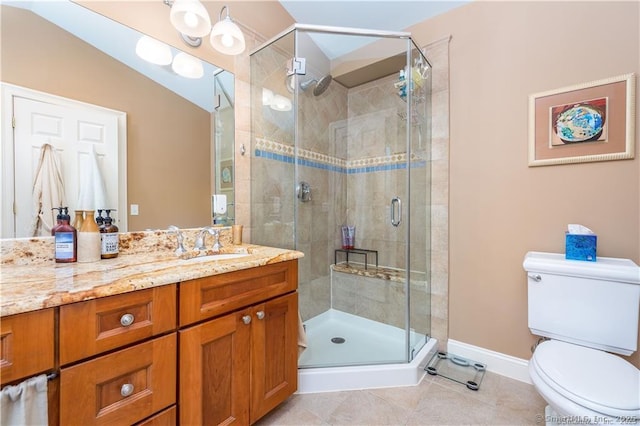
[[435, 401]]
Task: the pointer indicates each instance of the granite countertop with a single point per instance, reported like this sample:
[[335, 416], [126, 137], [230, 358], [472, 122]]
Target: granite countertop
[[33, 285]]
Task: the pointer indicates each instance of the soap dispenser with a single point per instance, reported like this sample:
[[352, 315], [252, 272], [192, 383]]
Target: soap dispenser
[[65, 236], [109, 237]]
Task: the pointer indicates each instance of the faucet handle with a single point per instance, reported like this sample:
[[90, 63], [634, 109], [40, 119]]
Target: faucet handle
[[216, 244], [180, 237]]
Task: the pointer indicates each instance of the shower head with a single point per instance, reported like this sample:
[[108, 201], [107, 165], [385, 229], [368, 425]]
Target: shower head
[[319, 86]]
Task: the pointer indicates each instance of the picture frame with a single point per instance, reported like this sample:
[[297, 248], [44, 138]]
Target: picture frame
[[587, 122], [226, 174]]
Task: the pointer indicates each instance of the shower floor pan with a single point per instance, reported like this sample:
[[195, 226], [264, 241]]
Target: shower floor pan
[[371, 355]]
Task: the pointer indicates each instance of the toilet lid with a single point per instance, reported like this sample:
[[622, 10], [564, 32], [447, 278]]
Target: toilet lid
[[592, 378]]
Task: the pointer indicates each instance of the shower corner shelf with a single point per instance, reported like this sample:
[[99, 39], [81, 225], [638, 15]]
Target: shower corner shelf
[[457, 369], [364, 252]]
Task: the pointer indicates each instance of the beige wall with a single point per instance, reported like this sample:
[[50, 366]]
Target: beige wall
[[500, 53], [168, 138]]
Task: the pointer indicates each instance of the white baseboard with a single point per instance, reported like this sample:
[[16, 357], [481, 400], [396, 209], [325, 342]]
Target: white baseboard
[[496, 362]]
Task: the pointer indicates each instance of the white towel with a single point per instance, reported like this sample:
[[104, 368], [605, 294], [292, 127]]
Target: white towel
[[48, 192], [26, 403], [93, 192]]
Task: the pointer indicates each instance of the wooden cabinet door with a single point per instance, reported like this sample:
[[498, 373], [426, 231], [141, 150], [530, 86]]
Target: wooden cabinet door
[[26, 344], [215, 371], [274, 353]]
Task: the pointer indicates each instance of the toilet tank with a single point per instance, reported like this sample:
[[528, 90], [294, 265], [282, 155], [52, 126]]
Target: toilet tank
[[593, 304]]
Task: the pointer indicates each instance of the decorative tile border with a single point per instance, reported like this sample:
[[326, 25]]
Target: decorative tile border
[[286, 153]]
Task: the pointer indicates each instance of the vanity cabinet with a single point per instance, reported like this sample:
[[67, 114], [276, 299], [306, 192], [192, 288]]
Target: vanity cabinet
[[215, 350], [239, 365]]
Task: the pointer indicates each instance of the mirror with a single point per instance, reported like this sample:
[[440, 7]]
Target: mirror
[[179, 134]]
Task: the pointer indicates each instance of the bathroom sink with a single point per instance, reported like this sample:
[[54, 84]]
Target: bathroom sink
[[218, 256]]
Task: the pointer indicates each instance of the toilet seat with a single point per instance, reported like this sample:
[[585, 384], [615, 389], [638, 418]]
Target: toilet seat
[[593, 379]]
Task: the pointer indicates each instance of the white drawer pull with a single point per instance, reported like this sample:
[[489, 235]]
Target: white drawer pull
[[260, 314], [126, 390], [246, 319], [127, 319]]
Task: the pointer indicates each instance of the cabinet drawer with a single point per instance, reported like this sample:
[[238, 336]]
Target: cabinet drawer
[[120, 388], [26, 344], [218, 294], [91, 327]]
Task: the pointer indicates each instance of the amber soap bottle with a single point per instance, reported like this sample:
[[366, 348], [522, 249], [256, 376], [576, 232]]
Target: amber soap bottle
[[109, 238], [66, 238]]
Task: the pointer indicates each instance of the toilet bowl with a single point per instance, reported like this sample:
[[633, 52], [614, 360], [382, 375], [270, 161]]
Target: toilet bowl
[[580, 382]]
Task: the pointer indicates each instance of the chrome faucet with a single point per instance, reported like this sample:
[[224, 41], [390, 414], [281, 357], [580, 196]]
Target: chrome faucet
[[200, 243], [180, 237]]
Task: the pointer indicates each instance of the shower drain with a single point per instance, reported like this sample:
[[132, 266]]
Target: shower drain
[[337, 340]]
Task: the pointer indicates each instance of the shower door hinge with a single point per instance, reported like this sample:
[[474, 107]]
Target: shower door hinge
[[296, 66]]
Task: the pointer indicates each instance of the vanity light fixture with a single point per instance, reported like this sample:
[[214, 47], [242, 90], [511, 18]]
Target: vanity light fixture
[[189, 17], [154, 51], [192, 21], [226, 37], [187, 66]]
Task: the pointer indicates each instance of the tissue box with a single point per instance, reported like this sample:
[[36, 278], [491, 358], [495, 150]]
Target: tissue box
[[581, 247]]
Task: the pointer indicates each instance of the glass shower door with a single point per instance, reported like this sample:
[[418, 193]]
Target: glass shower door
[[272, 147]]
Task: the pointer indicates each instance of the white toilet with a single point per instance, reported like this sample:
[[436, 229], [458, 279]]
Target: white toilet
[[586, 309]]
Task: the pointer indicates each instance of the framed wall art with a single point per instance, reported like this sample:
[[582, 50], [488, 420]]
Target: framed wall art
[[587, 122]]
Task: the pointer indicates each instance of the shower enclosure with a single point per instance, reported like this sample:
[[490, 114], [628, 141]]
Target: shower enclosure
[[341, 137]]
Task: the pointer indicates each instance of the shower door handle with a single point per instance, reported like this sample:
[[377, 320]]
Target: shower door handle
[[396, 205]]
